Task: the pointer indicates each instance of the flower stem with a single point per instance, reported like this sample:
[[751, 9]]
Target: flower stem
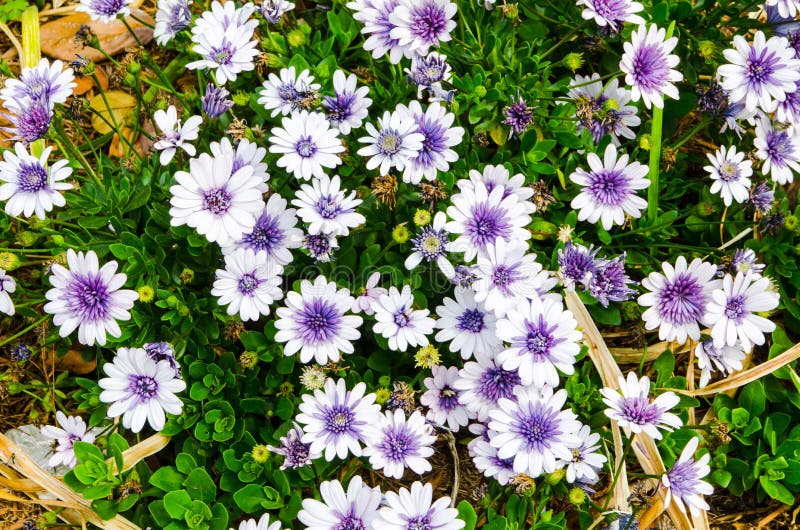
[[655, 153], [24, 331]]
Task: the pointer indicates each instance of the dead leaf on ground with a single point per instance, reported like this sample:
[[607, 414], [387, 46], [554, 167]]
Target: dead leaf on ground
[[58, 36], [122, 107]]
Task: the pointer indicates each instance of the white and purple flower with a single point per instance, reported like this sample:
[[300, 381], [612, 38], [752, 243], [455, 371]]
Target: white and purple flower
[[650, 67], [423, 24], [249, 284], [339, 510], [398, 322], [283, 94], [349, 105], [779, 148], [415, 509], [71, 429], [730, 172], [307, 144], [442, 399], [105, 10], [175, 135], [394, 443], [684, 483], [633, 409], [396, 141], [436, 126], [431, 244], [275, 232], [327, 208], [483, 382], [466, 324], [28, 185]]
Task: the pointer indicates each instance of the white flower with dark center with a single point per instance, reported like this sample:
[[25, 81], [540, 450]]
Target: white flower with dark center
[[436, 125], [226, 50], [730, 172], [631, 407], [710, 359], [314, 322], [649, 66], [534, 430], [28, 185], [731, 312], [7, 285], [175, 135], [347, 108], [172, 16], [246, 153], [283, 94], [609, 189], [586, 461], [483, 383], [611, 13], [603, 109], [376, 17], [105, 10], [422, 24], [779, 149], [262, 524], [355, 509], [222, 16], [441, 398], [416, 510], [684, 483], [218, 202], [307, 145], [396, 141], [249, 284], [466, 324], [71, 429], [47, 83], [327, 208], [334, 419], [398, 322], [431, 244], [498, 176], [88, 297], [140, 389], [542, 338], [394, 443], [275, 232]]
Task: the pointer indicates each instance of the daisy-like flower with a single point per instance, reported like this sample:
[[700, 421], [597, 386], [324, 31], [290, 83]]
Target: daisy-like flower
[[71, 429], [227, 51], [509, 277], [30, 121], [395, 443], [431, 245], [339, 510], [273, 10], [314, 322], [225, 15], [366, 301], [398, 322], [730, 172], [262, 524], [534, 430], [586, 461], [762, 198], [28, 185], [249, 284], [786, 9], [88, 297], [175, 135], [275, 232], [422, 24], [467, 324], [485, 458], [480, 218], [320, 246], [578, 264], [415, 509], [172, 16], [677, 299], [334, 420], [649, 66], [609, 282], [731, 312], [295, 452], [217, 201], [542, 338], [612, 13], [609, 189], [307, 143], [47, 83], [710, 359], [498, 176], [788, 110], [759, 74], [396, 141], [435, 124], [247, 153], [441, 398], [105, 10], [779, 149], [744, 260], [347, 108], [634, 410], [327, 208], [428, 72], [684, 483], [282, 94], [376, 17], [603, 111], [518, 116], [216, 101], [483, 382], [140, 389], [162, 351]]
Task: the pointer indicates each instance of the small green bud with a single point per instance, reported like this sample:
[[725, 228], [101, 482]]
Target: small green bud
[[573, 61], [296, 38], [511, 11], [260, 453], [577, 496], [382, 395], [480, 91], [9, 261], [644, 142], [134, 68], [707, 49], [704, 209], [248, 360], [241, 99], [555, 477], [129, 80], [27, 238], [57, 239], [400, 234], [187, 275], [791, 222]]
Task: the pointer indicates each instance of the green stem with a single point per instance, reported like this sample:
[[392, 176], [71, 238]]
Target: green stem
[[130, 30], [688, 136], [655, 153], [17, 335], [619, 470], [564, 40]]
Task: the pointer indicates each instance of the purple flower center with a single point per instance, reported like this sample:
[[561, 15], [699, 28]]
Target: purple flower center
[[215, 101], [88, 298], [287, 93], [318, 244], [539, 341], [397, 445], [779, 148], [760, 68], [608, 187], [107, 7], [471, 320], [339, 108], [430, 242], [339, 419], [266, 235], [350, 522], [318, 321], [650, 69], [486, 224], [728, 171], [428, 22], [305, 147], [502, 276], [248, 283], [448, 398], [433, 143], [538, 426], [31, 178], [429, 70], [223, 55], [402, 318], [389, 142], [328, 207], [735, 309], [681, 301], [419, 522], [217, 201], [496, 383], [611, 10], [639, 411], [34, 123], [143, 386]]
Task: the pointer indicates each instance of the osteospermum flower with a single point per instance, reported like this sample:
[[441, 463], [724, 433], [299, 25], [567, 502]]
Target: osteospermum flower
[[684, 483], [395, 443], [376, 17], [586, 461], [249, 284], [320, 246], [394, 144], [174, 134], [677, 298], [761, 73], [334, 420], [283, 94], [428, 72], [441, 398], [633, 409], [436, 125], [314, 322], [612, 13], [47, 83], [307, 145], [162, 351], [28, 185], [518, 116], [649, 66], [339, 510], [216, 101], [483, 382], [227, 51], [262, 524], [246, 153], [603, 109], [730, 171], [71, 429], [542, 337], [609, 189], [217, 201], [534, 430], [7, 285], [499, 177], [710, 359], [731, 312], [105, 10], [415, 508], [431, 244], [275, 232], [484, 456], [140, 389], [172, 16], [347, 108], [609, 282], [398, 322], [88, 297], [225, 15], [30, 121], [295, 452], [422, 24], [327, 208], [365, 301], [779, 149], [467, 324], [273, 10], [744, 260], [481, 217], [577, 264]]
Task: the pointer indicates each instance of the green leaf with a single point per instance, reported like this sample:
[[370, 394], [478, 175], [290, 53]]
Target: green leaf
[[167, 479], [105, 508], [200, 486], [753, 399], [249, 498], [177, 503], [776, 490], [85, 451], [467, 514], [185, 463]]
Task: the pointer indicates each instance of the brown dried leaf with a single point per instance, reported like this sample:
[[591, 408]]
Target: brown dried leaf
[[58, 36], [121, 105], [73, 362]]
